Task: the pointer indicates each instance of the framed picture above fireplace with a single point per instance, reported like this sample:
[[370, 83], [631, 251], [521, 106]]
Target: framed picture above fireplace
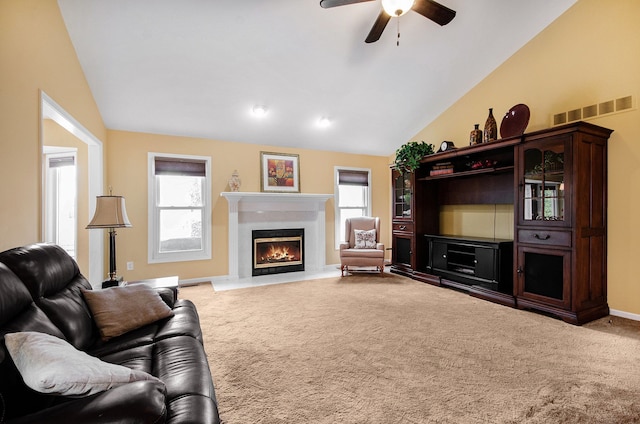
[[279, 172]]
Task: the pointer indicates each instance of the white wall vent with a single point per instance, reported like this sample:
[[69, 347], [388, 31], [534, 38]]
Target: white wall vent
[[621, 104]]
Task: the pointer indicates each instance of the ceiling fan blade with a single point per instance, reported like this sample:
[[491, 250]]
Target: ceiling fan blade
[[333, 3], [438, 13], [378, 27]]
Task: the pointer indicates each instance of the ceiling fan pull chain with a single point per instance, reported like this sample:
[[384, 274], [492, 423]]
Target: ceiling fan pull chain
[[398, 39]]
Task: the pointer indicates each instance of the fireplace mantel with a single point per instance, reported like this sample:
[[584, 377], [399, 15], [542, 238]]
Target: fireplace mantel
[[258, 211], [251, 201]]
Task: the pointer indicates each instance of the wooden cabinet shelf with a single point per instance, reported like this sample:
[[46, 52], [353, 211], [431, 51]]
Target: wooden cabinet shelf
[[557, 181], [470, 173], [476, 150]]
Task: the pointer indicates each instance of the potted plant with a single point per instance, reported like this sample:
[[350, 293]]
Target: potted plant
[[408, 156]]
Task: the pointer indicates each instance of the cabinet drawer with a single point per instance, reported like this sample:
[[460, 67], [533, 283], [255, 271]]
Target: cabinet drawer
[[546, 237], [403, 227]]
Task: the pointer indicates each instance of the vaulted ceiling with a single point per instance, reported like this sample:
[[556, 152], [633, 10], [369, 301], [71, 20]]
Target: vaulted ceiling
[[198, 67]]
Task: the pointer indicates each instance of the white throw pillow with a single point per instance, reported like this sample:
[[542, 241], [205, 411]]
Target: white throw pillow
[[50, 365], [365, 239]]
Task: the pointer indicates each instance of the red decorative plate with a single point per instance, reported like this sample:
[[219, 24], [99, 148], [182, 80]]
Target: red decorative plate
[[515, 121]]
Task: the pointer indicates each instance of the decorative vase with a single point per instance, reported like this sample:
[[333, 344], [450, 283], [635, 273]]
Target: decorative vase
[[476, 135], [490, 128], [234, 181]]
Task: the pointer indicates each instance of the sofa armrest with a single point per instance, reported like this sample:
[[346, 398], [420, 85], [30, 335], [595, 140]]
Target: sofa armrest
[[138, 402], [344, 246], [168, 296], [380, 246]]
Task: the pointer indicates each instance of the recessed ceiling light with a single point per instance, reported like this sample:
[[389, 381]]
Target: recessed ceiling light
[[324, 122], [259, 111]]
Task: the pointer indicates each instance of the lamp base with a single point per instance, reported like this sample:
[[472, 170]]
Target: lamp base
[[111, 283]]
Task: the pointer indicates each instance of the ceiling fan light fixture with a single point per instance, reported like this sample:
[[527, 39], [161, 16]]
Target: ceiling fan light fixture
[[324, 122], [259, 111], [397, 7]]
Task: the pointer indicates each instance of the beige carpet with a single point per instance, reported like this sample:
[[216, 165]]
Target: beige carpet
[[372, 349]]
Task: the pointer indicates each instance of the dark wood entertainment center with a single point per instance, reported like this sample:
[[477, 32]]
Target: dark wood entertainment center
[[556, 180]]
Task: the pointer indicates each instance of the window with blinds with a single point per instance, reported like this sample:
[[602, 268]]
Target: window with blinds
[[180, 208], [352, 197], [60, 201]]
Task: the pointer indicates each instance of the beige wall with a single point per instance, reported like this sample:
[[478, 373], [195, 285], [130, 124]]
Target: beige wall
[[127, 174], [589, 54], [37, 54]]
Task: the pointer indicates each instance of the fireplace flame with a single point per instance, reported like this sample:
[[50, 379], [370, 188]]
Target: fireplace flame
[[278, 253]]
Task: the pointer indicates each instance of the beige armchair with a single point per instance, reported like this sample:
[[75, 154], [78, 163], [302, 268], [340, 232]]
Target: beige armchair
[[366, 251]]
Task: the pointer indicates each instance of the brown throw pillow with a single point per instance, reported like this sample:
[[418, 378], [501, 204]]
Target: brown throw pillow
[[118, 310]]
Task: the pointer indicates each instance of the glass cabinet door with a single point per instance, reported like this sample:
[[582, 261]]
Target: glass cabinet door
[[543, 193], [402, 195]]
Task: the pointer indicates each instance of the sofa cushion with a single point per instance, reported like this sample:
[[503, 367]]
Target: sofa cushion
[[118, 310], [54, 281], [18, 312], [15, 296], [179, 359], [137, 402], [362, 253], [185, 322], [49, 364], [44, 268]]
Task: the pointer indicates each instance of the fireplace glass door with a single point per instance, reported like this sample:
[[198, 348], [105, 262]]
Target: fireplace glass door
[[276, 251]]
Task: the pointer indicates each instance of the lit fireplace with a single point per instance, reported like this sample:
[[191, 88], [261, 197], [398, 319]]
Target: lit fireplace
[[277, 251]]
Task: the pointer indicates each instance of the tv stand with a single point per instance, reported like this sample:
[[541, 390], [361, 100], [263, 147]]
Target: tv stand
[[556, 180], [481, 266]]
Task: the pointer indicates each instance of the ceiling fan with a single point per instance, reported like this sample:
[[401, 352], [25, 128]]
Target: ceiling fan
[[395, 8]]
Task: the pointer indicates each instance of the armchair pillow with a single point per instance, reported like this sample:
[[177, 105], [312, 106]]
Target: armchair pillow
[[365, 239], [50, 365], [118, 310]]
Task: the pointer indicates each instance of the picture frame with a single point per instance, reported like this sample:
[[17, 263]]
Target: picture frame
[[279, 172]]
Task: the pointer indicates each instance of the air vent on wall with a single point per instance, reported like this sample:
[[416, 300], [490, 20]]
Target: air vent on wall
[[589, 111], [592, 111], [574, 115], [606, 107]]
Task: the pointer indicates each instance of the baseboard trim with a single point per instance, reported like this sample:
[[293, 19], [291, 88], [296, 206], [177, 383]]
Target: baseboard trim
[[623, 314], [195, 281]]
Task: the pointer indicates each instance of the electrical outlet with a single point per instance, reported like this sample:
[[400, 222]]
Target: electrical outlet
[[129, 266]]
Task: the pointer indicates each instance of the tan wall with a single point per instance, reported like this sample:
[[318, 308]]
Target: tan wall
[[127, 171], [589, 54], [37, 54]]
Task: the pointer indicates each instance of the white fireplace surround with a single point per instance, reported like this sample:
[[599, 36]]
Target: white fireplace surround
[[267, 211]]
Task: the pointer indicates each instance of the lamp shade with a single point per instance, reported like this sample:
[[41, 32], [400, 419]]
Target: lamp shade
[[110, 213]]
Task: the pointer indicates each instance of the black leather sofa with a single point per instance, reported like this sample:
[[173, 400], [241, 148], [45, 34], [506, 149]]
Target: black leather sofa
[[40, 291]]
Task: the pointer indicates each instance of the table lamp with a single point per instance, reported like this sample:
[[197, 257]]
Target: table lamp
[[110, 213]]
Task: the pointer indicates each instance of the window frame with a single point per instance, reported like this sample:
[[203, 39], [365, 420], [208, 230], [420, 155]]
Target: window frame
[[153, 240], [338, 224], [51, 229]]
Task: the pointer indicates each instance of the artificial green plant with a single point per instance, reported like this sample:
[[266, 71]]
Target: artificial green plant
[[409, 155]]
